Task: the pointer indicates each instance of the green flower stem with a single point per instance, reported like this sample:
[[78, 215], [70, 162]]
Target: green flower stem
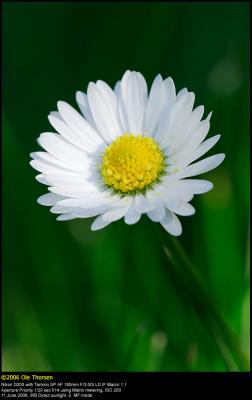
[[194, 291]]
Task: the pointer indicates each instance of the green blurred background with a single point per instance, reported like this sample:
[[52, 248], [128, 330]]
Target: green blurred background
[[76, 300]]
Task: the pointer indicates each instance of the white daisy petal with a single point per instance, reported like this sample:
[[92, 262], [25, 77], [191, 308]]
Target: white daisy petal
[[117, 87], [132, 216], [173, 199], [81, 142], [56, 114], [183, 191], [173, 194], [42, 179], [158, 213], [168, 101], [185, 209], [203, 166], [103, 104], [209, 116], [82, 101], [199, 134], [73, 191], [179, 118], [59, 210], [172, 224], [132, 102], [189, 128], [78, 212], [143, 87], [80, 180], [87, 202], [49, 199], [171, 124], [192, 154], [89, 212], [45, 168], [65, 217], [78, 124], [196, 186], [169, 94], [205, 147], [47, 161], [142, 205], [114, 214], [181, 93], [59, 148], [99, 223], [154, 106]]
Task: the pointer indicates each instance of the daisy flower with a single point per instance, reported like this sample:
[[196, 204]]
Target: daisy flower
[[126, 154]]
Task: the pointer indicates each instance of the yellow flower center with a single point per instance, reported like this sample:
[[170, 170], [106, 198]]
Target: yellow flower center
[[131, 164]]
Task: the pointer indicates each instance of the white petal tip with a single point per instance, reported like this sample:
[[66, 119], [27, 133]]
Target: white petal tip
[[65, 217], [61, 104], [41, 201], [221, 158], [50, 116], [159, 77], [129, 222], [94, 227], [169, 79], [210, 115], [174, 232], [177, 234], [208, 186], [91, 85], [79, 96]]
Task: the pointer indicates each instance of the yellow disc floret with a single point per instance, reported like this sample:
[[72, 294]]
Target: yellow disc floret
[[132, 164]]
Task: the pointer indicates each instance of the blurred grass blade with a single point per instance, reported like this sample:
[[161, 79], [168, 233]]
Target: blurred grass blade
[[193, 289], [140, 330], [158, 344]]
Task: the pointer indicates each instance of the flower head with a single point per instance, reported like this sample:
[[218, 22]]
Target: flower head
[[127, 154]]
